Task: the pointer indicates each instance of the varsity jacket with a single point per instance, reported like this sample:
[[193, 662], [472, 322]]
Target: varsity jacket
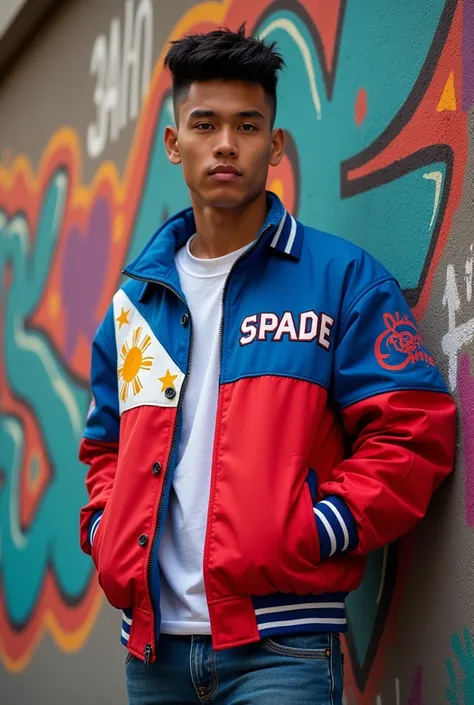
[[333, 429]]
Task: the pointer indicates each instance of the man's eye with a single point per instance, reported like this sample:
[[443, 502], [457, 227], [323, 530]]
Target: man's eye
[[248, 127], [203, 126]]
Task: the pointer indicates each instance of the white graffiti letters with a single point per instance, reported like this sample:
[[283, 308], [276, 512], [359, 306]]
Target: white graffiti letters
[[458, 335], [119, 79]]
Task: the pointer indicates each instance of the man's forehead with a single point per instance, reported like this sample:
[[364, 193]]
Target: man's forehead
[[225, 97]]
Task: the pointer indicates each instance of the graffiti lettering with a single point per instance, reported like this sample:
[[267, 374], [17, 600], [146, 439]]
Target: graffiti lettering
[[458, 336], [117, 90]]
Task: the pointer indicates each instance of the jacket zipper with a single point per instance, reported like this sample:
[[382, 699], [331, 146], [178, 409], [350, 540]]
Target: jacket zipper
[[147, 653], [148, 650]]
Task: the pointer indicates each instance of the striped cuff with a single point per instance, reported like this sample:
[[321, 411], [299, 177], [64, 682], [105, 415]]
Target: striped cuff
[[94, 525], [126, 626], [336, 526]]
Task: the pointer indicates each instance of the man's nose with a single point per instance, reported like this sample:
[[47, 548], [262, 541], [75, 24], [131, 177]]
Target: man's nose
[[225, 145]]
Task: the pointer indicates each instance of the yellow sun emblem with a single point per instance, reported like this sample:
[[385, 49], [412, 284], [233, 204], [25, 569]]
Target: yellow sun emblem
[[133, 362]]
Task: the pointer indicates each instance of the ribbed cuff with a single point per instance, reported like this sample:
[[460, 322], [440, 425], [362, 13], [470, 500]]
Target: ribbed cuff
[[94, 525], [336, 526]]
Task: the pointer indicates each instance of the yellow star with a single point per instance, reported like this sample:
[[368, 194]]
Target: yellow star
[[123, 318], [167, 380]]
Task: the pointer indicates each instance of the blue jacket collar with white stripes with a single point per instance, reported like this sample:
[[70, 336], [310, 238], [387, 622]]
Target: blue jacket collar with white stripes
[[156, 261]]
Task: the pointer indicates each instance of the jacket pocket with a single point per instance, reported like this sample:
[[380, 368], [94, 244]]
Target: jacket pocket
[[266, 543], [313, 529], [121, 554]]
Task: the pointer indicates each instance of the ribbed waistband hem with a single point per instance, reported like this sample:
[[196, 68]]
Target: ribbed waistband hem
[[286, 614], [278, 614]]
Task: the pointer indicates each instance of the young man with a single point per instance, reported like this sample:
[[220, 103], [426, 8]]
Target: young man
[[243, 356]]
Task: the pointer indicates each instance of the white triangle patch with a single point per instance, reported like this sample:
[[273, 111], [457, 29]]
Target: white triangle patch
[[147, 375]]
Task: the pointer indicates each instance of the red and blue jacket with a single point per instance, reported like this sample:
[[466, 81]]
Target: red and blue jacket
[[333, 429]]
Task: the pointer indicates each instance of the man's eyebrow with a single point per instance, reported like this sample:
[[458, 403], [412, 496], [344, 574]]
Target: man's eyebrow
[[251, 114], [202, 113]]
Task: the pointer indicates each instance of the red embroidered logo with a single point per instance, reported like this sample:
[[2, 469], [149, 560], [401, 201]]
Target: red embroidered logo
[[400, 344]]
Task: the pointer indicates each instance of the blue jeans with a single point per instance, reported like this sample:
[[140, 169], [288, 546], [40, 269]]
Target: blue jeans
[[283, 670]]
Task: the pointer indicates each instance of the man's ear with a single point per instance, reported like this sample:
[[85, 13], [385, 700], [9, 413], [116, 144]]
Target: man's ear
[[278, 147], [171, 144]]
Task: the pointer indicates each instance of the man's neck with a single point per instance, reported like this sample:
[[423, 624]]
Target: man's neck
[[224, 230]]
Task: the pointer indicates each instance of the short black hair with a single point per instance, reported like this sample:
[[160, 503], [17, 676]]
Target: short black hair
[[226, 55]]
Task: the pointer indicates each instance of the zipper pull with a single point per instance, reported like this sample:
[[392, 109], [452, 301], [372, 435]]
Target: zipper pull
[[147, 652]]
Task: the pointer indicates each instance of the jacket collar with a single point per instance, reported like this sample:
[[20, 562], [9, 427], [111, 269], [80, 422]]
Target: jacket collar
[[281, 232]]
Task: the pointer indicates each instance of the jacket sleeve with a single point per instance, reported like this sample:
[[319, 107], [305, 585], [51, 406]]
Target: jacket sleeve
[[99, 445], [400, 421]]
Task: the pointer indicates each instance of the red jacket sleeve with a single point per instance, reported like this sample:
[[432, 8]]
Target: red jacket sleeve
[[403, 447], [99, 445], [397, 414]]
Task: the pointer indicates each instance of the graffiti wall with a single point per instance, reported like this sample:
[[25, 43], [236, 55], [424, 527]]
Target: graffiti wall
[[375, 102]]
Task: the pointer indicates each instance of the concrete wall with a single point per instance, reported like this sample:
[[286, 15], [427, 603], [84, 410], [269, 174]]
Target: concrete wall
[[376, 102]]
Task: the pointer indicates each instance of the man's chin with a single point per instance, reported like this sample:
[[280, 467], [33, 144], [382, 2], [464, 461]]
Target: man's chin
[[224, 203], [225, 198]]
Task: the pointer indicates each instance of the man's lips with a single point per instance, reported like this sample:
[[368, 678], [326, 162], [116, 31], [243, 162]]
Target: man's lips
[[225, 172]]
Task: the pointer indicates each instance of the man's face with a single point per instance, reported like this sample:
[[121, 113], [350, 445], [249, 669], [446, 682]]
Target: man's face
[[225, 142]]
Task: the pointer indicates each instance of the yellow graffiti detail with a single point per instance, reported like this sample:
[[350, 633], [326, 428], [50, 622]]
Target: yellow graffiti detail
[[448, 98]]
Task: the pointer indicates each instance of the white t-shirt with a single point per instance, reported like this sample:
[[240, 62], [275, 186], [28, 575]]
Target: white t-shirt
[[183, 599]]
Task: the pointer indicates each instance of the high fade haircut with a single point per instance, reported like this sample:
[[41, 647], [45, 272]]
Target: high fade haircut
[[223, 55]]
